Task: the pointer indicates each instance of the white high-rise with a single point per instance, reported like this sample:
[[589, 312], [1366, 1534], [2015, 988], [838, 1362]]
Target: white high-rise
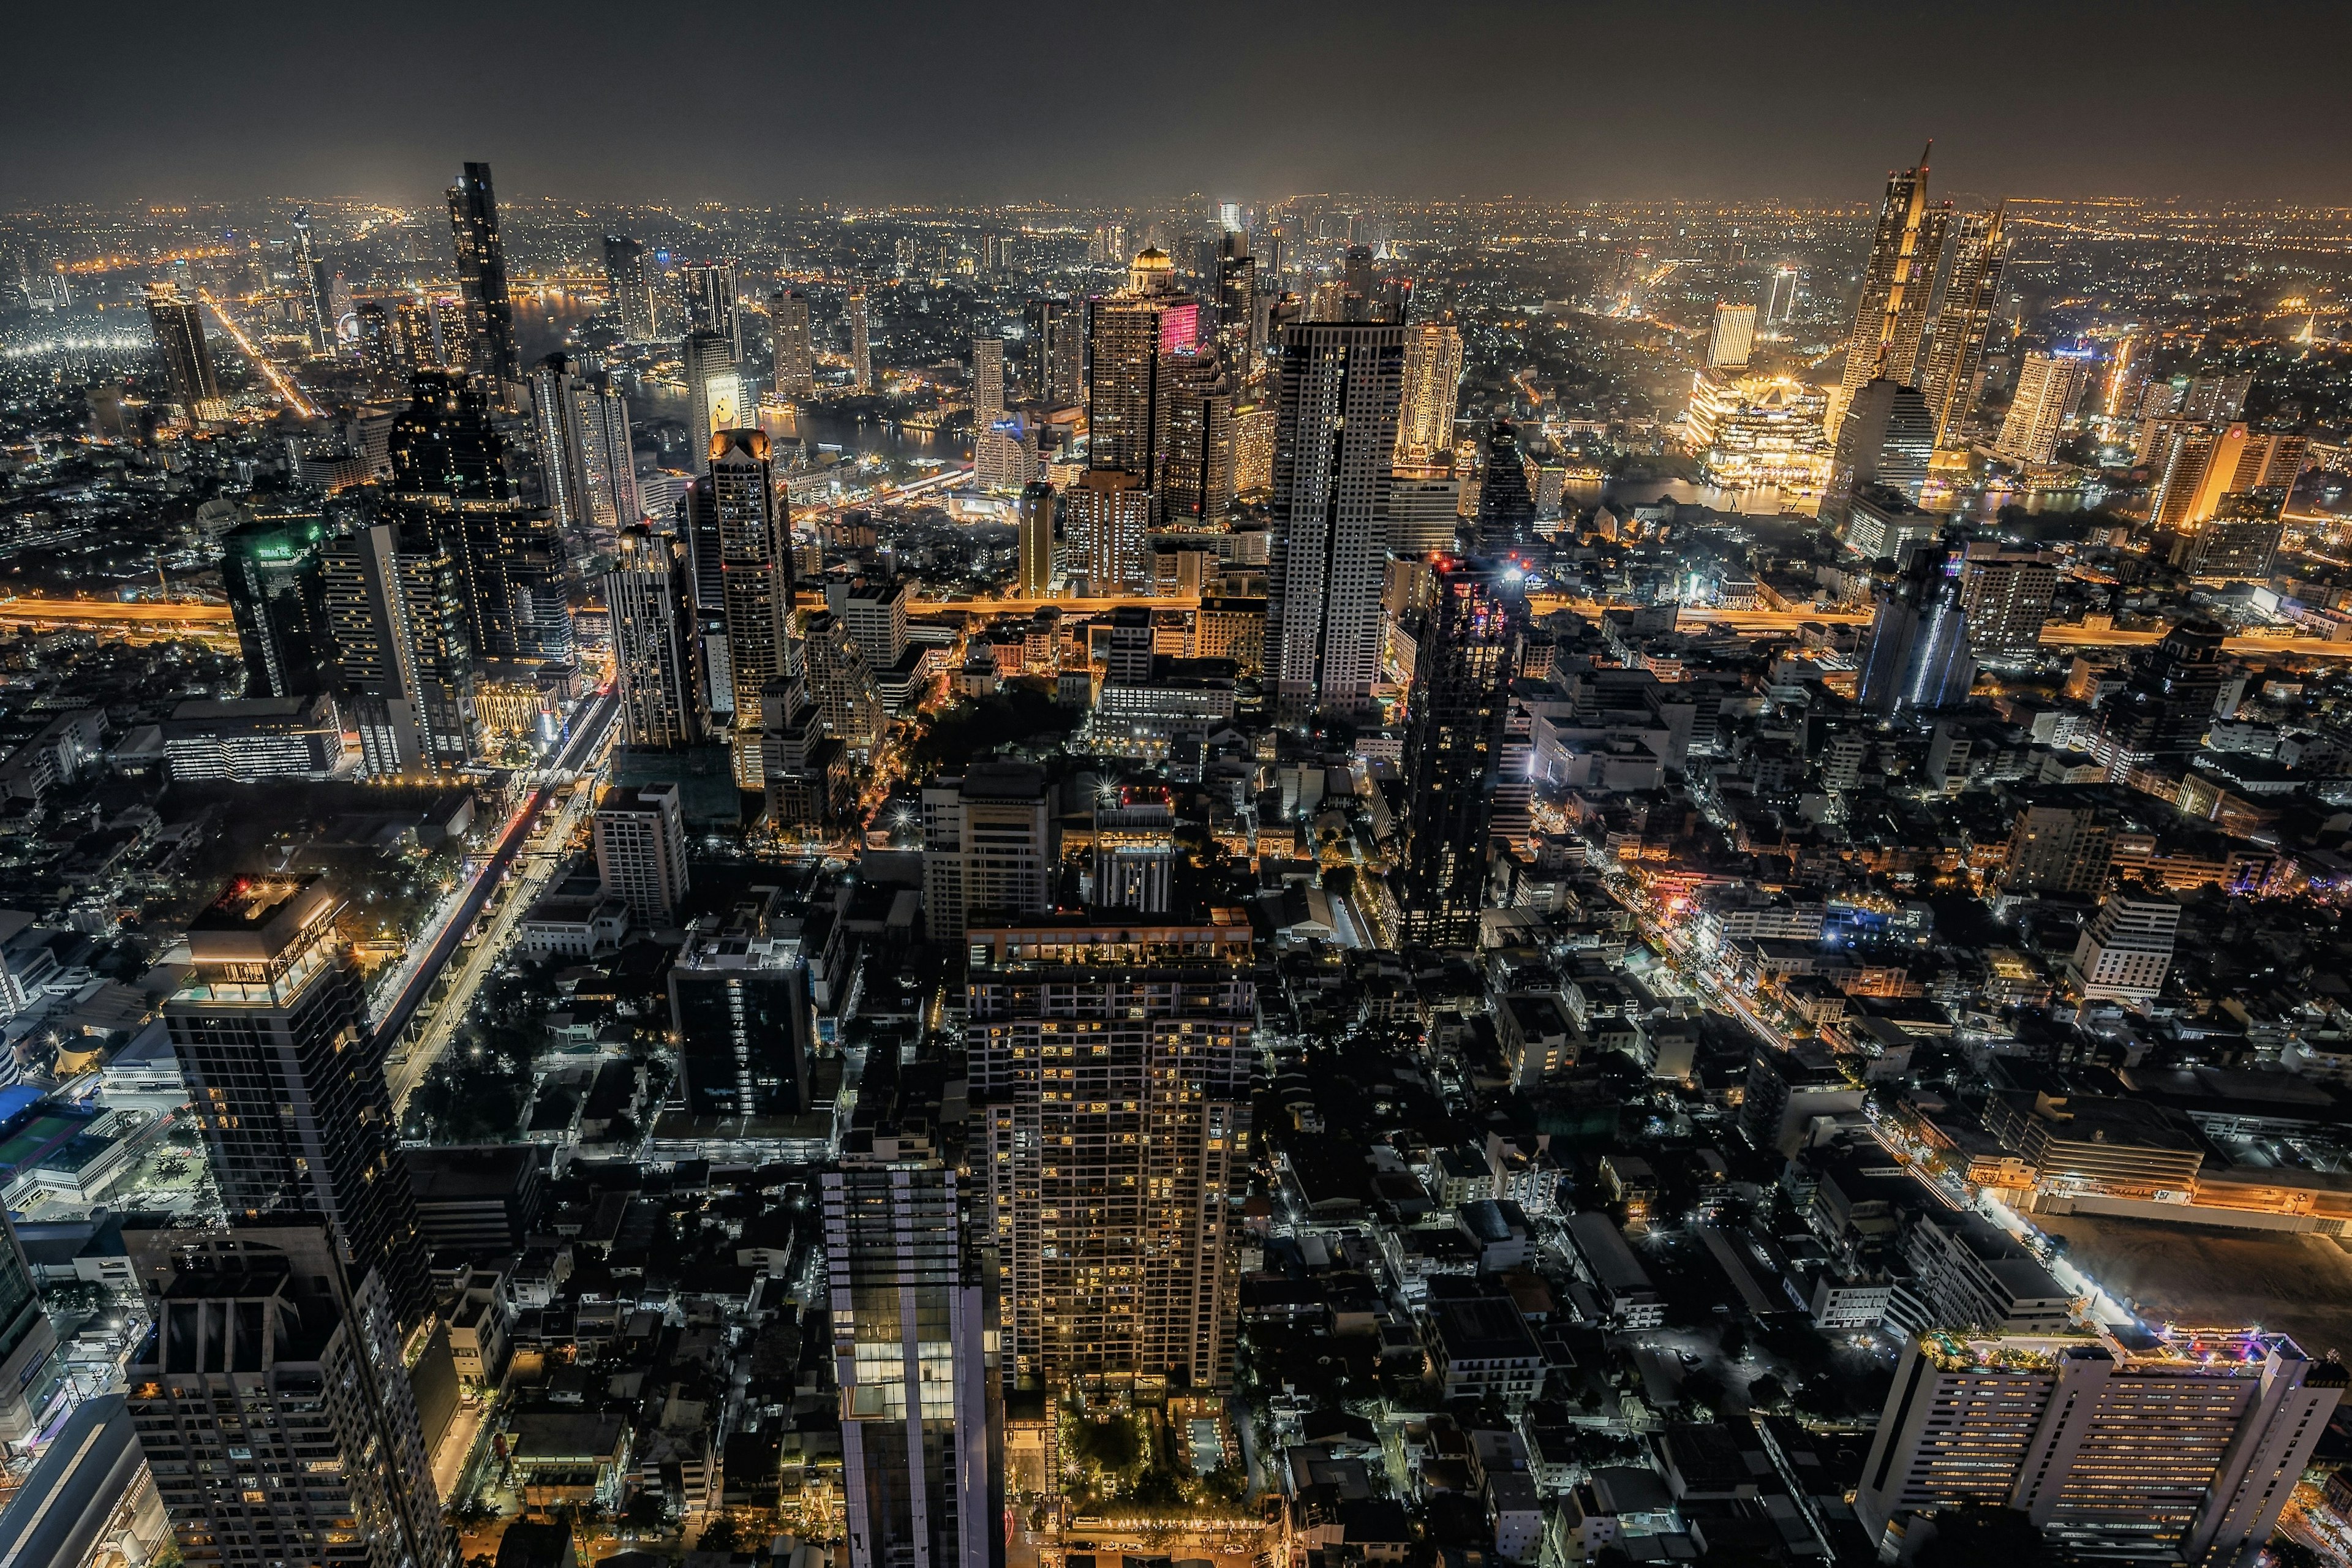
[[1732, 336], [2048, 387], [2126, 952], [641, 850]]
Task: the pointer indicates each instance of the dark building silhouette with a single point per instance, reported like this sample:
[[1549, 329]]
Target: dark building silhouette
[[1918, 653], [490, 348], [1468, 644], [1507, 507], [270, 570]]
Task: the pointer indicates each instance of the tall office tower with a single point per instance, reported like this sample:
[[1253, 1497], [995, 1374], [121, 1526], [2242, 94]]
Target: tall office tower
[[1972, 293], [1506, 503], [2007, 599], [2179, 1448], [740, 1009], [1107, 522], [1241, 329], [1886, 442], [640, 839], [628, 288], [793, 345], [272, 1405], [1035, 514], [1196, 458], [861, 343], [1109, 1069], [1918, 658], [1781, 304], [755, 583], [312, 272], [1334, 438], [30, 1372], [2126, 951], [482, 279], [178, 325], [841, 680], [270, 1028], [698, 532], [1732, 336], [1433, 382], [914, 1312], [988, 844], [1135, 852], [655, 651], [710, 304], [416, 341], [446, 443], [2048, 387], [1057, 365], [1134, 336], [587, 464], [1468, 644], [1895, 283], [269, 570], [714, 392]]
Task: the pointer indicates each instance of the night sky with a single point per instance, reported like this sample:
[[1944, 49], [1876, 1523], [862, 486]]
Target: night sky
[[874, 102]]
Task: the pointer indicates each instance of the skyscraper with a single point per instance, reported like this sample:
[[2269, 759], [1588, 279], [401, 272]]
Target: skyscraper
[[1109, 1068], [1918, 658], [1731, 336], [1196, 457], [755, 583], [1037, 539], [1885, 440], [1433, 382], [273, 1406], [915, 1313], [1003, 456], [1956, 360], [269, 572], [482, 279], [2007, 598], [1057, 364], [270, 1028], [1241, 327], [2048, 387], [715, 397], [627, 287], [397, 620], [794, 347], [1467, 644], [1133, 335], [710, 305], [1895, 282], [1781, 304], [861, 343], [2125, 950], [1506, 504], [178, 325], [1106, 521], [988, 844], [587, 464], [1335, 436], [739, 1008], [655, 651]]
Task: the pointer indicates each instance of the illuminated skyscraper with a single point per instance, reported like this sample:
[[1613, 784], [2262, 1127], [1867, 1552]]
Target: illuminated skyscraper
[[1241, 327], [269, 572], [714, 392], [1918, 658], [794, 347], [2048, 387], [1196, 459], [416, 338], [1003, 454], [1107, 517], [1956, 357], [1734, 332], [628, 288], [1886, 440], [654, 652], [1037, 539], [1057, 365], [270, 1027], [1109, 1068], [861, 345], [755, 583], [1335, 439], [710, 306], [1134, 334], [1467, 646], [1895, 282], [178, 325], [482, 279], [1433, 382]]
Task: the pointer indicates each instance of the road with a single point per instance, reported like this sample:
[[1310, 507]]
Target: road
[[2273, 647], [590, 731]]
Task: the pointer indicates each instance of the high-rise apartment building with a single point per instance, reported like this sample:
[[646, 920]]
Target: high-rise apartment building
[[1035, 514], [913, 1292], [269, 573], [1106, 519], [988, 844], [1896, 279], [178, 325], [2179, 1446], [708, 288], [396, 619], [1467, 644], [270, 1028], [1134, 338], [2126, 951], [273, 1407], [1196, 452], [628, 288], [1335, 438], [1057, 364], [640, 839], [2240, 542], [755, 582], [1135, 852], [841, 680], [2048, 387], [655, 651], [1956, 356], [1731, 336], [1109, 1068], [1240, 326], [876, 618], [861, 343], [794, 344], [587, 465], [1433, 382], [1003, 452], [482, 279], [2006, 596]]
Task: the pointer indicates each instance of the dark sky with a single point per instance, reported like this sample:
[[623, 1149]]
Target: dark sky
[[671, 101]]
